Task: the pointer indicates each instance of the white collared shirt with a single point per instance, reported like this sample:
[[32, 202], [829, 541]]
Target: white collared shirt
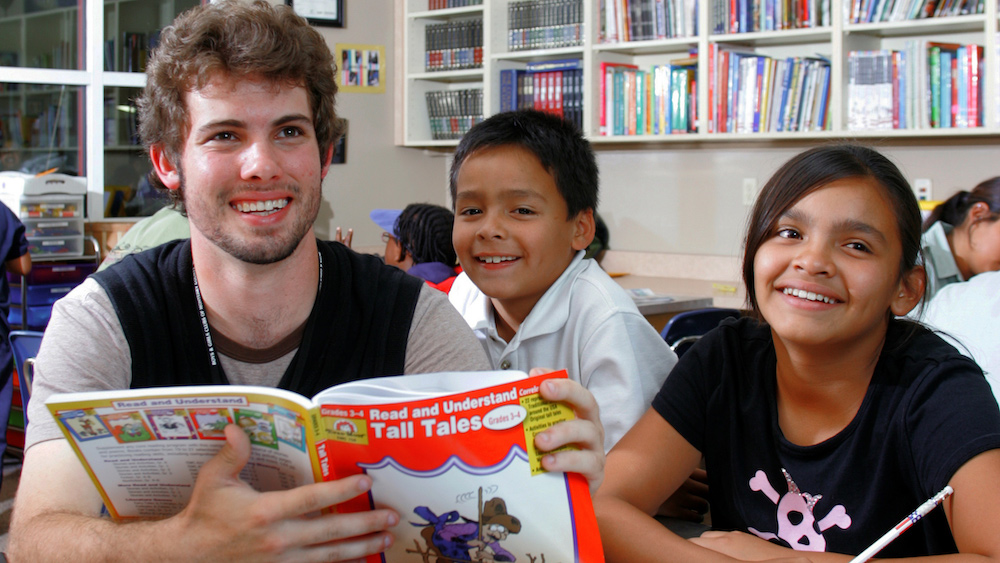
[[968, 316], [586, 324], [939, 262]]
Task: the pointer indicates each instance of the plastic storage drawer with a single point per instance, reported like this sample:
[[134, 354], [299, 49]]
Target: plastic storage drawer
[[45, 294], [36, 228], [38, 316], [57, 246], [51, 207], [55, 273]]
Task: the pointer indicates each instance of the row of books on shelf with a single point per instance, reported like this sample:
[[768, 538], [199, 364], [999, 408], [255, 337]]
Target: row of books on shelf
[[121, 122], [453, 112], [554, 87], [131, 53], [753, 93], [62, 55], [445, 4], [544, 24], [747, 16], [925, 85], [50, 127], [660, 101], [872, 11], [454, 45], [644, 20]]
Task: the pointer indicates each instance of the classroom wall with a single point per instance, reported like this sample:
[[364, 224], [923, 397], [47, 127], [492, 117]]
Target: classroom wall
[[689, 199], [377, 173], [671, 198]]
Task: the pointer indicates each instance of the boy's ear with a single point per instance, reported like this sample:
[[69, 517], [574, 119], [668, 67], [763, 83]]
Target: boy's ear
[[165, 169], [910, 291], [583, 229]]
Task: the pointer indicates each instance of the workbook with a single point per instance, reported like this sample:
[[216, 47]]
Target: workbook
[[452, 453]]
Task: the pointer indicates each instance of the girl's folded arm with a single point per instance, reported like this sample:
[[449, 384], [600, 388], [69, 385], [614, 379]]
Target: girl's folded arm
[[644, 468]]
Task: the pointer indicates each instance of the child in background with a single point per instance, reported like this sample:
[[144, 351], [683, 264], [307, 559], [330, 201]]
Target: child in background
[[524, 186], [968, 316], [962, 236], [14, 251], [826, 420], [418, 241]]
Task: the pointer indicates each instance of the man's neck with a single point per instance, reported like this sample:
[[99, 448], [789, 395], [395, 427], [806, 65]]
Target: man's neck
[[256, 305]]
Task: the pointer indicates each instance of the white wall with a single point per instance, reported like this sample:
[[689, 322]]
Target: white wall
[[377, 173], [689, 199], [669, 198]]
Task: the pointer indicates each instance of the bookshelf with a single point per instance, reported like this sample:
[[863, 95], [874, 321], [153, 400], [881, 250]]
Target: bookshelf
[[69, 70], [834, 42]]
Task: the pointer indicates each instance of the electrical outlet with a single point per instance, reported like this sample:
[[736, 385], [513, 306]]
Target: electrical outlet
[[749, 190], [922, 187]]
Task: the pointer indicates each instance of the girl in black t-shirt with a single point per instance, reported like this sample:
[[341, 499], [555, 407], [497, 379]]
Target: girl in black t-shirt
[[826, 393]]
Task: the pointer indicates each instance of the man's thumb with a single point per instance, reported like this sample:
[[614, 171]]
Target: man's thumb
[[233, 456]]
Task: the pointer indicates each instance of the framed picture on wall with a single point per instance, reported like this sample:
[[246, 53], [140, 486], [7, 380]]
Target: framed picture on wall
[[360, 68], [320, 12]]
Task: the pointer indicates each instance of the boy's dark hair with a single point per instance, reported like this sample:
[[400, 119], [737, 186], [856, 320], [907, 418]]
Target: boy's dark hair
[[240, 39], [955, 209], [424, 230], [819, 167], [557, 144]]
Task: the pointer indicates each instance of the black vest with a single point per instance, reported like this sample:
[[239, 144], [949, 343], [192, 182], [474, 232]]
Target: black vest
[[357, 329]]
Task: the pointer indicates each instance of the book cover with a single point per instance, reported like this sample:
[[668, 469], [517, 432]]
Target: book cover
[[561, 64], [946, 106], [607, 105], [758, 92], [934, 66], [452, 464], [975, 60], [508, 89], [962, 117], [713, 77]]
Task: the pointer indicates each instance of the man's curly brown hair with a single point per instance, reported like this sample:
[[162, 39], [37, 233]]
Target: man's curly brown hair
[[238, 39]]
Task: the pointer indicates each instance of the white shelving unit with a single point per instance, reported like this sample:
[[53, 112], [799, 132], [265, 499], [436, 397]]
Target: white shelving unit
[[833, 42]]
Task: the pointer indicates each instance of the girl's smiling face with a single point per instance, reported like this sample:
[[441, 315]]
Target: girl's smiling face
[[828, 272]]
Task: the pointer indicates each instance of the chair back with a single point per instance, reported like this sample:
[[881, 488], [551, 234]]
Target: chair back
[[683, 329], [24, 347]]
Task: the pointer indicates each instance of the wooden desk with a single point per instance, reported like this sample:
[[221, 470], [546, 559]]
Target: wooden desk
[[687, 294]]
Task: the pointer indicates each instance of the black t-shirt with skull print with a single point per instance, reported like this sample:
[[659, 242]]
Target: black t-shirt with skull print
[[928, 410]]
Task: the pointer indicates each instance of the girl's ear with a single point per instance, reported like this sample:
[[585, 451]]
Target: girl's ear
[[978, 211], [910, 291], [585, 227], [167, 172]]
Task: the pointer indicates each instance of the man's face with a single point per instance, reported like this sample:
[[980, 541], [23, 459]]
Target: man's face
[[250, 168]]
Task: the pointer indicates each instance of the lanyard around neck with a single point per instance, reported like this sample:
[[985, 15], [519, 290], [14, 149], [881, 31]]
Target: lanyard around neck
[[203, 315]]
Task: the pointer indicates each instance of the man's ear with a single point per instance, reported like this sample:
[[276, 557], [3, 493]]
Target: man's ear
[[168, 173], [584, 229], [326, 162], [909, 292]]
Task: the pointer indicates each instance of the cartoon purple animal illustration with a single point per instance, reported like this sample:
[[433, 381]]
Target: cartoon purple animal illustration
[[469, 540]]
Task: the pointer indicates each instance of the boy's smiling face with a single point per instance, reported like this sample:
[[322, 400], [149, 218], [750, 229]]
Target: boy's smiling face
[[512, 233]]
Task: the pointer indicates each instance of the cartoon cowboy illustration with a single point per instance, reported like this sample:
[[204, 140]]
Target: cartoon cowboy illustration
[[455, 540]]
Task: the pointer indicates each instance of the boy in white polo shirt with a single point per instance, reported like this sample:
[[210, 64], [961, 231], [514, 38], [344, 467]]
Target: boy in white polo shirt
[[524, 186]]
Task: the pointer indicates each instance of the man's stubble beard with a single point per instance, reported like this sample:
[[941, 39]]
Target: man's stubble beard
[[275, 247]]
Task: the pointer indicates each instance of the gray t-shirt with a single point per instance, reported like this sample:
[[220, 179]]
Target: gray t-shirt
[[84, 349]]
